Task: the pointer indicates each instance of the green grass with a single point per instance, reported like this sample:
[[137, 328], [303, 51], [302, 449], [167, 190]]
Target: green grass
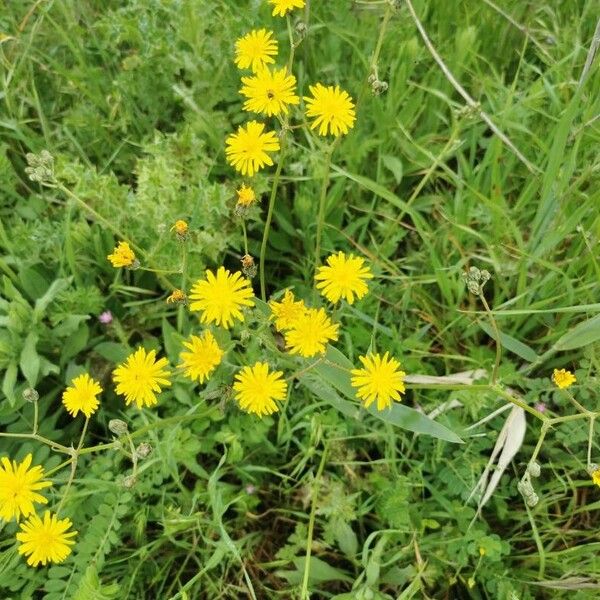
[[134, 101]]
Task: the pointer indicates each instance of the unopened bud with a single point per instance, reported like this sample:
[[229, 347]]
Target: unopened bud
[[248, 266], [534, 469], [143, 450], [532, 500], [30, 395], [117, 426], [129, 481]]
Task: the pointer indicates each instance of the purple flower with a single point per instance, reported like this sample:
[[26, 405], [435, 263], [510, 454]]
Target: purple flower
[[105, 317], [540, 407]]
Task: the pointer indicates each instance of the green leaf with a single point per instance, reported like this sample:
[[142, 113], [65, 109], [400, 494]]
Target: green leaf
[[30, 361], [9, 382], [394, 164], [584, 333], [56, 288], [511, 344], [112, 351]]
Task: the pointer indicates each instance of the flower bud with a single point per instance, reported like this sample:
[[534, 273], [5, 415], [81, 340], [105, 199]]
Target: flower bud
[[534, 469], [129, 481], [117, 426], [30, 395], [143, 450]]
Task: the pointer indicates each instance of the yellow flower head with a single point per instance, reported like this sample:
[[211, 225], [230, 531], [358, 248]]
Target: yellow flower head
[[180, 228], [269, 92], [596, 477], [81, 396], [286, 312], [45, 541], [246, 196], [122, 256], [563, 379], [332, 109], [220, 297], [140, 378], [203, 357], [256, 389], [18, 488], [177, 297], [381, 379], [343, 277], [310, 333], [255, 50], [281, 7], [247, 150]]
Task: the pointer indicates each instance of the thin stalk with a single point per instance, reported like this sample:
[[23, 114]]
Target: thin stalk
[[497, 336], [590, 437], [74, 460], [323, 197], [265, 239], [35, 417], [184, 268]]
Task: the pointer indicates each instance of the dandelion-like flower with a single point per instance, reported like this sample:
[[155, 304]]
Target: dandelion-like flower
[[45, 541], [596, 476], [281, 7], [269, 92], [256, 390], [343, 277], [19, 486], [221, 297], [181, 228], [140, 378], [248, 149], [203, 357], [122, 256], [381, 379], [286, 312], [246, 196], [310, 333], [177, 297], [255, 50], [563, 379], [81, 396], [332, 109]]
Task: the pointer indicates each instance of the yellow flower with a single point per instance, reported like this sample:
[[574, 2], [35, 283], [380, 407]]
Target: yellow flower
[[310, 333], [286, 312], [221, 297], [181, 228], [255, 50], [140, 377], [122, 256], [256, 389], [81, 396], [332, 108], [247, 150], [381, 380], [281, 7], [563, 378], [246, 196], [18, 488], [203, 358], [177, 296], [344, 277], [45, 541], [269, 92], [596, 477]]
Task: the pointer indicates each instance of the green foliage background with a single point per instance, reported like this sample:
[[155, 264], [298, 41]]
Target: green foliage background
[[134, 100]]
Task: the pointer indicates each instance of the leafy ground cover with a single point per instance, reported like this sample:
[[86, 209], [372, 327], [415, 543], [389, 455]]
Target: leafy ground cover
[[475, 145]]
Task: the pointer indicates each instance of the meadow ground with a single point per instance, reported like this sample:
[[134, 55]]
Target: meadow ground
[[476, 145]]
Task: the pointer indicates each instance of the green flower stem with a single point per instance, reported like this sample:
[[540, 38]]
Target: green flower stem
[[497, 335], [304, 595], [34, 436], [323, 197], [582, 409], [184, 269], [35, 417], [245, 236], [590, 438], [265, 239], [538, 446], [74, 461]]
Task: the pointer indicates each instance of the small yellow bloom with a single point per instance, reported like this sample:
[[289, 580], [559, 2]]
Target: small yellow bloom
[[45, 541], [248, 149], [246, 196], [332, 109], [221, 297], [177, 297], [310, 333], [140, 377], [81, 396], [482, 551], [381, 379], [18, 488], [269, 92], [286, 312], [563, 378], [343, 277], [596, 477], [281, 7], [122, 256], [203, 357], [256, 389], [180, 228], [255, 50]]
